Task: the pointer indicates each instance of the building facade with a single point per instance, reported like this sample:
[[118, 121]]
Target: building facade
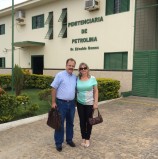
[[105, 34]]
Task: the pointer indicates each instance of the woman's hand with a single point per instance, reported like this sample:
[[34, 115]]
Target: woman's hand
[[95, 106]]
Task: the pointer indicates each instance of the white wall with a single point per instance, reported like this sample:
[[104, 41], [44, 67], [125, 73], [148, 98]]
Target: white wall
[[115, 33]]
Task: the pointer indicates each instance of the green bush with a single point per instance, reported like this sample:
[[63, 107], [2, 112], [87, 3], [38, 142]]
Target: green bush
[[2, 91], [16, 107], [23, 99], [37, 81], [5, 81], [108, 88], [8, 107], [31, 109], [45, 95], [30, 81], [26, 71], [26, 108]]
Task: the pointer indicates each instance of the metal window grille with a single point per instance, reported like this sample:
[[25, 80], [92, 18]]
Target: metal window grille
[[117, 6], [146, 25]]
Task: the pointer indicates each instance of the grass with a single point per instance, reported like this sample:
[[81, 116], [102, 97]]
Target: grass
[[33, 95]]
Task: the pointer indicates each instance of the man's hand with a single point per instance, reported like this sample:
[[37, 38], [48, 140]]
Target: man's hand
[[54, 105]]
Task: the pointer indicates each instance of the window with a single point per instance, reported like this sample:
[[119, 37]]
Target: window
[[38, 21], [2, 29], [117, 6], [2, 62], [49, 21], [63, 19], [115, 61]]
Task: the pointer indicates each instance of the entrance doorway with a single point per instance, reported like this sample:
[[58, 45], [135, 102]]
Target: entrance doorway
[[145, 74], [37, 63]]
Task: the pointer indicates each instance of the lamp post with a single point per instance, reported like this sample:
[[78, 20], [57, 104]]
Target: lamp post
[[12, 44]]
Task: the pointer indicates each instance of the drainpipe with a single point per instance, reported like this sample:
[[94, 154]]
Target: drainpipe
[[134, 38], [12, 45]]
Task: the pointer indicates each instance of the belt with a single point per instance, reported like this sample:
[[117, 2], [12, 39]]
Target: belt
[[64, 100]]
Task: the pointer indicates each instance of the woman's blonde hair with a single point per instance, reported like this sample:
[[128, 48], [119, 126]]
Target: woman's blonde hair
[[83, 64]]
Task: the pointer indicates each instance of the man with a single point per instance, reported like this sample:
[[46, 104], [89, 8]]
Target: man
[[63, 94]]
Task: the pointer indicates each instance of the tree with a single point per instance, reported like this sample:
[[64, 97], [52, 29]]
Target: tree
[[18, 79]]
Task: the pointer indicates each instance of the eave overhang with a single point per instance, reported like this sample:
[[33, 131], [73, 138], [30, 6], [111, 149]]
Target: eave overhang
[[28, 44]]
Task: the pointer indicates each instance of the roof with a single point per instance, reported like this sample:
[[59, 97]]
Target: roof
[[28, 43], [24, 6]]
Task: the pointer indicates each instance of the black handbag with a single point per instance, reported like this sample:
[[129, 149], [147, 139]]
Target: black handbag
[[54, 119], [96, 120]]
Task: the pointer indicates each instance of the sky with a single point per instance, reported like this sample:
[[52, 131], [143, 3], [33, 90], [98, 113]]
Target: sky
[[8, 3]]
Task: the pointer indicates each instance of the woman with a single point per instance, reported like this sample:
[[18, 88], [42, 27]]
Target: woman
[[87, 100]]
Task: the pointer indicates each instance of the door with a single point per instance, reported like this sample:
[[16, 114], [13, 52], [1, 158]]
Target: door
[[145, 74], [37, 63]]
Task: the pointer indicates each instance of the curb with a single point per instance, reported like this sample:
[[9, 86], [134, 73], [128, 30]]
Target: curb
[[13, 124]]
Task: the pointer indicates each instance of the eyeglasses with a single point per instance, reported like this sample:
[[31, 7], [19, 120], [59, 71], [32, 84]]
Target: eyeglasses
[[83, 68]]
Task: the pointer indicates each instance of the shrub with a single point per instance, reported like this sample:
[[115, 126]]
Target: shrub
[[45, 95], [2, 91], [8, 107], [5, 81], [31, 109], [23, 100], [16, 107], [18, 79], [108, 88], [26, 108], [37, 81], [26, 71], [30, 81]]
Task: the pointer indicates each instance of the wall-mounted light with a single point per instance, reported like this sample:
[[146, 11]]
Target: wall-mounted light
[[5, 50]]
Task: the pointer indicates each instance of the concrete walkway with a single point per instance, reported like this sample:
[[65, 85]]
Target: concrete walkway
[[129, 131]]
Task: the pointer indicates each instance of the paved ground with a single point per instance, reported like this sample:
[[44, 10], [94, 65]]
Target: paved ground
[[129, 131]]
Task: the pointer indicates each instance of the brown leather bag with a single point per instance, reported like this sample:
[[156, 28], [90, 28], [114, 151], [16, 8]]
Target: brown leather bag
[[54, 119], [96, 120]]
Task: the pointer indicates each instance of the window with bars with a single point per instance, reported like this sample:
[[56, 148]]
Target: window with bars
[[117, 6], [38, 21], [115, 61], [2, 62], [2, 29]]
